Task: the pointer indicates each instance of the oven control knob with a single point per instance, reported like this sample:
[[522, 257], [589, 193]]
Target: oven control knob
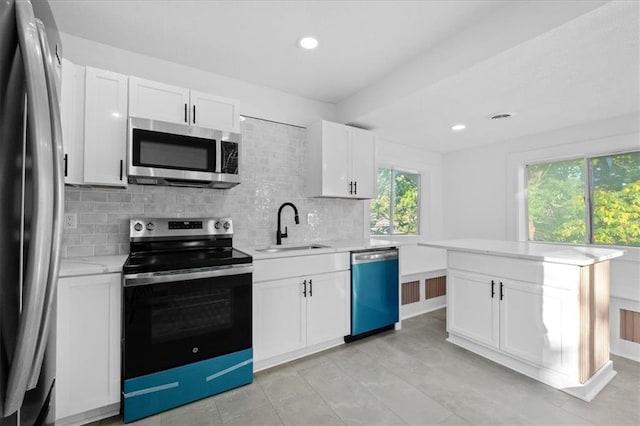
[[227, 225], [217, 225], [150, 226], [137, 226]]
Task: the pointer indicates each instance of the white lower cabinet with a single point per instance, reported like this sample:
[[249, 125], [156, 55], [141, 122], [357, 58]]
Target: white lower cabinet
[[537, 325], [522, 319], [471, 311], [547, 320], [328, 307], [88, 346], [297, 315], [279, 317]]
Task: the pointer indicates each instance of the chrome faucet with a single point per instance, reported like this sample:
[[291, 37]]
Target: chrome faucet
[[279, 234]]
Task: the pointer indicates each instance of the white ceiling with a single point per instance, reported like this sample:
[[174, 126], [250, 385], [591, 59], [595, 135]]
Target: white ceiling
[[407, 69]]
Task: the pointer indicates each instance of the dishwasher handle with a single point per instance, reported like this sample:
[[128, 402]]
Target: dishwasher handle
[[373, 256]]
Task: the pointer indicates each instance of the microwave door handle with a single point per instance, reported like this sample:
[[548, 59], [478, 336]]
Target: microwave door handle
[[58, 204], [37, 268], [219, 163]]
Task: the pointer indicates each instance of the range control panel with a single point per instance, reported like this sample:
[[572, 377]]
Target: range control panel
[[165, 227], [186, 224]]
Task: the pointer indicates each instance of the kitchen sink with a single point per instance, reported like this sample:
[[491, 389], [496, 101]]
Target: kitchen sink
[[291, 248]]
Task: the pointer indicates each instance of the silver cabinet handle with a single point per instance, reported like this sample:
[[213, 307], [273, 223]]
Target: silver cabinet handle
[[58, 203], [35, 280]]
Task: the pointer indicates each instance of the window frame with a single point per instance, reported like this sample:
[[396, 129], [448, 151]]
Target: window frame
[[392, 193], [587, 165]]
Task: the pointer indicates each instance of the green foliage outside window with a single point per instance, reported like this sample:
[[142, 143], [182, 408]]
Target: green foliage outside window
[[616, 199], [396, 208], [557, 210], [556, 202]]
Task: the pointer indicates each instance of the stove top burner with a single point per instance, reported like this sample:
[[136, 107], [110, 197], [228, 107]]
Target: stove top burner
[[169, 261], [181, 244]]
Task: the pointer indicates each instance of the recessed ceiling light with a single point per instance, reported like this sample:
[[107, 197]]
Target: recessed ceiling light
[[458, 127], [308, 43]]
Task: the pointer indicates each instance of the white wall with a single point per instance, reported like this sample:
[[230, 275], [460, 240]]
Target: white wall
[[255, 101], [481, 196]]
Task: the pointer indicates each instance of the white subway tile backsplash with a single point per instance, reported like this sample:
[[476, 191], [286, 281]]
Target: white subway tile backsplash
[[272, 173], [92, 218]]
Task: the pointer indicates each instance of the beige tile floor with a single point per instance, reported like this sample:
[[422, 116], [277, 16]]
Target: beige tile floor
[[411, 376]]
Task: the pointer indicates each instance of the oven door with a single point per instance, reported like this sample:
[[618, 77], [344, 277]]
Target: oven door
[[174, 319]]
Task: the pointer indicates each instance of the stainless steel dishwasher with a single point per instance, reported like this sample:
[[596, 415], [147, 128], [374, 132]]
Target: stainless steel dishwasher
[[375, 304]]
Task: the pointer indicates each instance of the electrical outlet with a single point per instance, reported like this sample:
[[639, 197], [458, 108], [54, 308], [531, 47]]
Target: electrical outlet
[[312, 219], [70, 221]]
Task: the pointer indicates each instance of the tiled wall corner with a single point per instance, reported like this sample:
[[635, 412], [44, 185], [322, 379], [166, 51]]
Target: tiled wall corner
[[272, 166]]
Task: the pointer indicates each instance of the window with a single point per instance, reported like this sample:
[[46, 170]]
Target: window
[[396, 208], [593, 200]]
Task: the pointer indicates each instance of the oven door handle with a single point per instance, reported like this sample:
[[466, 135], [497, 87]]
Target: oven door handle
[[150, 278]]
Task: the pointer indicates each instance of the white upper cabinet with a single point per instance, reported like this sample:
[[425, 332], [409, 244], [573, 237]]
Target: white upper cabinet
[[214, 112], [363, 163], [72, 117], [93, 109], [159, 101], [105, 128], [340, 161]]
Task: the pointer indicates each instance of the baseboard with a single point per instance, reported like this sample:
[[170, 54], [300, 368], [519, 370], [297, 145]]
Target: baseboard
[[423, 310], [263, 364], [584, 391], [90, 416]]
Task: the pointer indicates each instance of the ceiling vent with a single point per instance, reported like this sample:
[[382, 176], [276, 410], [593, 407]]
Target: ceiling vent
[[501, 115]]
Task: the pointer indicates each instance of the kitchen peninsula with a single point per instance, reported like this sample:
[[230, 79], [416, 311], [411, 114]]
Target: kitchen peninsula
[[540, 309]]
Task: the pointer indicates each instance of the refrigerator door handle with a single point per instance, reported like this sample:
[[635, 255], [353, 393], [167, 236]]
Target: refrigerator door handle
[[37, 268], [58, 204]]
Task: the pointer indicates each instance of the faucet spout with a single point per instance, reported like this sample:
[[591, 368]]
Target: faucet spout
[[279, 234]]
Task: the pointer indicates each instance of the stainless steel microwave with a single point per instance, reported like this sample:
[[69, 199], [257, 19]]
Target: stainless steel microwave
[[161, 153]]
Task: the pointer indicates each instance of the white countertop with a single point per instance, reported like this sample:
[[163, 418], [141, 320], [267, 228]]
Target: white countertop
[[76, 266], [554, 253], [70, 267], [331, 247]]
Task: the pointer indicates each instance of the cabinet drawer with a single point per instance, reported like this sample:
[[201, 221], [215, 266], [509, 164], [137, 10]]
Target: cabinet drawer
[[552, 274], [286, 267]]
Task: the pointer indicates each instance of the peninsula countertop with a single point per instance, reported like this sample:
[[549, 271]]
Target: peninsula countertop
[[555, 253]]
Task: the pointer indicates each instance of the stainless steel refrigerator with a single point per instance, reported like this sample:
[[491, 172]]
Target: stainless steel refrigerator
[[31, 207]]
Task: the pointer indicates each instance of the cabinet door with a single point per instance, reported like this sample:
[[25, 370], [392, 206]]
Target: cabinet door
[[214, 112], [72, 118], [536, 324], [335, 160], [158, 101], [88, 343], [472, 312], [328, 307], [363, 163], [279, 313], [105, 128]]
